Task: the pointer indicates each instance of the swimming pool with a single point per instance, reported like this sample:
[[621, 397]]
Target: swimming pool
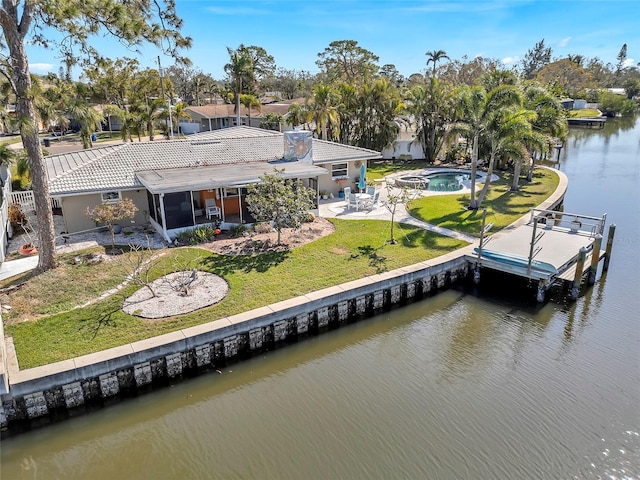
[[444, 181]]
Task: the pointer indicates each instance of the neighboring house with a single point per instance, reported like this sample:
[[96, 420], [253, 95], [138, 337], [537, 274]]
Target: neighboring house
[[215, 117], [172, 181], [406, 147]]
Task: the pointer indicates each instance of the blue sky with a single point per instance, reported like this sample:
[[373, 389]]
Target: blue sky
[[399, 32]]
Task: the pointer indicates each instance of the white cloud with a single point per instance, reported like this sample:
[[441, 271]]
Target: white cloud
[[564, 42], [629, 62], [41, 67], [510, 60]]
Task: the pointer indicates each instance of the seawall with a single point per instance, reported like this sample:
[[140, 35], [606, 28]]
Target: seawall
[[67, 387]]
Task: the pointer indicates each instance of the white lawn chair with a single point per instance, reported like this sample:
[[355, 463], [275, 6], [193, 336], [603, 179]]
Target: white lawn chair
[[371, 191], [352, 201], [347, 192], [212, 210]]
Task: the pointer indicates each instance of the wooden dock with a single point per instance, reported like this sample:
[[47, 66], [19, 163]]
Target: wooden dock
[[590, 122], [546, 249]]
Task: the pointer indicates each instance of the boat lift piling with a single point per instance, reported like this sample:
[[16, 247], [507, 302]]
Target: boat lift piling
[[607, 254], [577, 278], [597, 243]]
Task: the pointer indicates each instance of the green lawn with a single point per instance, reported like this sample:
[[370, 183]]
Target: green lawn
[[503, 207], [355, 250], [584, 113], [358, 248], [378, 169]]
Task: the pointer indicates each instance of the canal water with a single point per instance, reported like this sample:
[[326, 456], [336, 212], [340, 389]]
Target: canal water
[[460, 386]]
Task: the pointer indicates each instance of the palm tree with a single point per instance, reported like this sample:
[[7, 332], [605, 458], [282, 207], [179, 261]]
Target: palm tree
[[297, 114], [322, 110], [272, 121], [88, 118], [434, 57], [347, 111], [249, 101], [476, 111], [433, 109], [379, 106], [180, 112], [550, 118], [239, 68], [507, 131]]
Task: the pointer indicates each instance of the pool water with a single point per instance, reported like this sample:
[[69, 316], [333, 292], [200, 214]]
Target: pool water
[[446, 182]]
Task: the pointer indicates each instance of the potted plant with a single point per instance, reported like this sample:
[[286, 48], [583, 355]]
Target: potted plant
[[20, 222], [323, 194]]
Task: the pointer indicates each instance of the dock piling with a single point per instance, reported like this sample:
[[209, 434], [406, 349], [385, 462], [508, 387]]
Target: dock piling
[[577, 279], [595, 258], [607, 253]]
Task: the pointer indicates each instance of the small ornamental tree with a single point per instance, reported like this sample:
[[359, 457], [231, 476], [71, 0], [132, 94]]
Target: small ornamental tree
[[109, 214], [282, 203], [396, 197]]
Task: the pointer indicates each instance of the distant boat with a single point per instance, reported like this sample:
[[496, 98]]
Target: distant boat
[[518, 261]]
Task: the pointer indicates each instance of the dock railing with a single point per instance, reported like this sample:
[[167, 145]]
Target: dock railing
[[574, 222]]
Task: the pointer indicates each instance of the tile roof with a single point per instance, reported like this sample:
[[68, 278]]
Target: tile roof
[[227, 110], [113, 167]]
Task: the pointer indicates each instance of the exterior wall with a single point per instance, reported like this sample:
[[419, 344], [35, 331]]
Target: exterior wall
[[326, 184], [189, 128], [402, 149], [74, 209], [72, 384]]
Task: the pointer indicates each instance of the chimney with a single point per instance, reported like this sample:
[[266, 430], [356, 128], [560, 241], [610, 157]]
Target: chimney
[[298, 146]]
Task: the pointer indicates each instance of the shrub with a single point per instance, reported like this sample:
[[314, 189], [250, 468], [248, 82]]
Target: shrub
[[309, 218], [17, 217], [262, 227], [237, 231]]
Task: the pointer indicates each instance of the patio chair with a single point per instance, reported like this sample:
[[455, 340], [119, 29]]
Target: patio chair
[[376, 200], [212, 209], [347, 192], [353, 201], [373, 201], [371, 190]]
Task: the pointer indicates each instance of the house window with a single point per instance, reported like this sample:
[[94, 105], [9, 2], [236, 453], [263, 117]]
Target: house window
[[110, 197], [339, 170], [231, 192]]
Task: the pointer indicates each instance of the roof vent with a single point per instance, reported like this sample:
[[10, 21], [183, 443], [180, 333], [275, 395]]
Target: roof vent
[[298, 146], [205, 142]]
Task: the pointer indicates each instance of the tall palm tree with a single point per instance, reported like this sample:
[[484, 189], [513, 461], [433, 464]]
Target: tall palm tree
[[506, 133], [249, 101], [239, 69], [323, 111], [550, 118], [434, 57], [433, 110], [379, 106], [180, 112], [347, 111], [476, 112]]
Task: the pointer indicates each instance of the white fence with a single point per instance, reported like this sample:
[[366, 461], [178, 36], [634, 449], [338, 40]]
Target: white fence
[[25, 199]]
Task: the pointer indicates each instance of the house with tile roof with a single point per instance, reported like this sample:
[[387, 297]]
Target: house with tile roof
[[172, 182], [217, 116]]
